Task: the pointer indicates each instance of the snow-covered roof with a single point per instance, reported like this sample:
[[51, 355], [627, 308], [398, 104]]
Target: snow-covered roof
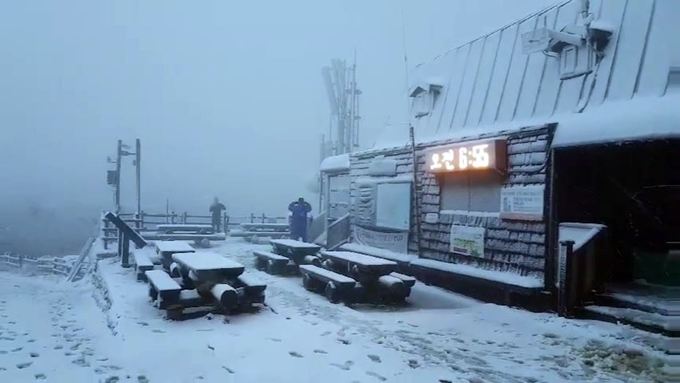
[[490, 84], [335, 163], [639, 119]]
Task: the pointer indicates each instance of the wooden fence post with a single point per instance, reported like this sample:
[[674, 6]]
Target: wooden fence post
[[172, 217], [263, 218], [184, 218], [252, 217], [125, 258], [225, 221]]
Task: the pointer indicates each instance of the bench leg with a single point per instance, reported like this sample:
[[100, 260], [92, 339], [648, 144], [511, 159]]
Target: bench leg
[[174, 313], [332, 293]]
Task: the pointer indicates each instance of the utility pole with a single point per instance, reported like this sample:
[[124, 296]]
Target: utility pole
[[119, 156], [138, 164]]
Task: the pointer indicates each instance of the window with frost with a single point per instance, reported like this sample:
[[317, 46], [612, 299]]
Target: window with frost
[[471, 191]]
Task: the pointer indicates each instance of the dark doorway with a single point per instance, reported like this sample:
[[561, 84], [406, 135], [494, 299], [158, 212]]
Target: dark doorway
[[632, 188]]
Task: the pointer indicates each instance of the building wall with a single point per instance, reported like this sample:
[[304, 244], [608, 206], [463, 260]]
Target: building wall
[[510, 245]]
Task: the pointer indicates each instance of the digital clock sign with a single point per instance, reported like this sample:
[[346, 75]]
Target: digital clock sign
[[488, 154]]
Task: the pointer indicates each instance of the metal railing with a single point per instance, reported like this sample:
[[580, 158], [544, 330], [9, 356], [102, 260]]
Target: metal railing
[[148, 221], [43, 264]]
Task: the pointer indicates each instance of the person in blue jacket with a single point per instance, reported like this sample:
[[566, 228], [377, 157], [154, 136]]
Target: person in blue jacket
[[300, 212]]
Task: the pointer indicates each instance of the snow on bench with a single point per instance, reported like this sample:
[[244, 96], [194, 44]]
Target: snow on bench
[[328, 276], [378, 252], [252, 284], [408, 280], [174, 247], [269, 226], [183, 227], [270, 256], [142, 261], [359, 259], [294, 244], [475, 272], [207, 261], [161, 281]]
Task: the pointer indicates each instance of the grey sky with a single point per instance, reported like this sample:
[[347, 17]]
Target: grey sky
[[226, 96]]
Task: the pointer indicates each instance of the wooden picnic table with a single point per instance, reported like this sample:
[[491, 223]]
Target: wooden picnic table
[[358, 264], [208, 265], [173, 247], [293, 249]]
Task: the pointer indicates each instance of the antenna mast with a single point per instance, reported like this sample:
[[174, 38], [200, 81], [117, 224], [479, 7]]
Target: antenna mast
[[343, 98]]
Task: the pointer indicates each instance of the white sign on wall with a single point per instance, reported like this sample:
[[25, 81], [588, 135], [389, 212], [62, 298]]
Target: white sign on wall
[[397, 242], [467, 240], [393, 206], [522, 203]]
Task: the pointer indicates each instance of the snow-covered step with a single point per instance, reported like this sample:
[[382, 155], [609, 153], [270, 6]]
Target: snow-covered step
[[652, 304], [642, 319]]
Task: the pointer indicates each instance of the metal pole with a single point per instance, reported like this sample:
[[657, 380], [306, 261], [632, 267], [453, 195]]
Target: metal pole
[[416, 197], [119, 155], [138, 159]]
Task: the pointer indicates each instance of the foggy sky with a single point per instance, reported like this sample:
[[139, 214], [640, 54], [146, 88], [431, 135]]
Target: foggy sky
[[226, 96]]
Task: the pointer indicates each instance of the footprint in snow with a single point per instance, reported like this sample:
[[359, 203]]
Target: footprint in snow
[[295, 354], [34, 355], [58, 347], [346, 366], [413, 363], [275, 339], [17, 349], [377, 376], [40, 376], [142, 379], [326, 333], [374, 358], [158, 331], [344, 341], [81, 362], [112, 379], [21, 366], [320, 352]]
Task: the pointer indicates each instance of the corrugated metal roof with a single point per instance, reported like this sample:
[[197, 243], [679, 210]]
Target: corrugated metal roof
[[490, 83]]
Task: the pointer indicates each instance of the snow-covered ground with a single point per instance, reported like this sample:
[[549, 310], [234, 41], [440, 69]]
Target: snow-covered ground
[[103, 329]]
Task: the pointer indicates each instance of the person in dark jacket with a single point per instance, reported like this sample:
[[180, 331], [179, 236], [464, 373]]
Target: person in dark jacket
[[300, 212], [216, 209]]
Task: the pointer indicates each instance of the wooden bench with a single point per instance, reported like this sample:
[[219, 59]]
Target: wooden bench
[[335, 286], [251, 284], [407, 279], [271, 262], [163, 289], [142, 263]]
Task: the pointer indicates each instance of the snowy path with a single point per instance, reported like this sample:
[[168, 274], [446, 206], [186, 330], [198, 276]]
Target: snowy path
[[55, 332], [47, 335]]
